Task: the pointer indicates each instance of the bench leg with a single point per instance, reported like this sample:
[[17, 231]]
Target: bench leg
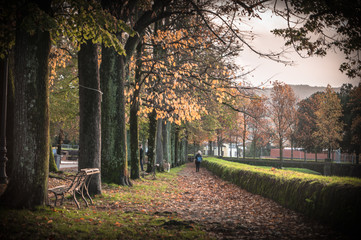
[[88, 195], [76, 201], [82, 196], [62, 199], [56, 198]]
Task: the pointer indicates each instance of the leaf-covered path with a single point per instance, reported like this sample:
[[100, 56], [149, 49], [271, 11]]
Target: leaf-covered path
[[228, 212]]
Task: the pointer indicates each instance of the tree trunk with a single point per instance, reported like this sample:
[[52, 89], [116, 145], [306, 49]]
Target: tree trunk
[[114, 151], [134, 140], [210, 147], [329, 154], [28, 185], [176, 145], [237, 151], [133, 120], [173, 130], [159, 144], [10, 114], [52, 163], [183, 156], [3, 118], [151, 140], [281, 151], [244, 136], [186, 147], [90, 113], [291, 149], [254, 148], [166, 141], [230, 145]]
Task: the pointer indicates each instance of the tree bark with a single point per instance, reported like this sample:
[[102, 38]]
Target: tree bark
[[10, 114], [237, 151], [176, 145], [52, 163], [166, 141], [291, 148], [210, 146], [254, 142], [244, 136], [133, 120], [134, 141], [151, 140], [90, 113], [281, 151], [159, 144], [114, 146], [186, 145], [173, 130], [29, 177]]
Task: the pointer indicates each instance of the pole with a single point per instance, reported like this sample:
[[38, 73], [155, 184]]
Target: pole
[[3, 150]]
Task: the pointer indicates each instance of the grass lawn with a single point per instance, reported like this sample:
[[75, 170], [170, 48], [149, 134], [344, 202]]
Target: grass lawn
[[302, 170], [119, 213]]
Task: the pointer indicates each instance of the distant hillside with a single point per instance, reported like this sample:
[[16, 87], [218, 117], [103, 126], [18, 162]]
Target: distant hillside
[[301, 91]]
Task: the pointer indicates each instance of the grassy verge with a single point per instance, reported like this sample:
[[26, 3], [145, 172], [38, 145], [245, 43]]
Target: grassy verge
[[335, 200], [302, 170], [119, 213]]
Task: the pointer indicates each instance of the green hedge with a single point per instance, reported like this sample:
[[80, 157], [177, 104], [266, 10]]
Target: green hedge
[[334, 200]]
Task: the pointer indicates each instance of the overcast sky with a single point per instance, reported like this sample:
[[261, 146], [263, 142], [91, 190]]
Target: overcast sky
[[313, 71]]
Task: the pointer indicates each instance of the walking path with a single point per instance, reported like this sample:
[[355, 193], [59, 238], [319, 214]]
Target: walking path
[[228, 212]]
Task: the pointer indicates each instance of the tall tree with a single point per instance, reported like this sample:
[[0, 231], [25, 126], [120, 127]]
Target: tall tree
[[257, 122], [133, 119], [151, 140], [347, 117], [90, 112], [306, 124], [328, 120], [28, 185], [282, 105], [147, 14], [355, 103]]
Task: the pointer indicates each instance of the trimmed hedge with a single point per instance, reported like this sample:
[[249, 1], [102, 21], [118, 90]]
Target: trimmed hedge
[[337, 169], [333, 200]]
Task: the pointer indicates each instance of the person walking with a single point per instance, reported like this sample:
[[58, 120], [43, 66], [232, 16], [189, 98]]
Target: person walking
[[198, 160]]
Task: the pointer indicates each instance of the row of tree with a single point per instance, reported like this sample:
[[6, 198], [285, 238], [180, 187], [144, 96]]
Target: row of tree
[[324, 120]]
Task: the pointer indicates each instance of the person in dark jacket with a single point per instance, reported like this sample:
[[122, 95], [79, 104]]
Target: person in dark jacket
[[198, 159]]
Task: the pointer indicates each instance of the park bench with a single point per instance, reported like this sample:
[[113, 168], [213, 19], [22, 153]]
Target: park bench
[[78, 185]]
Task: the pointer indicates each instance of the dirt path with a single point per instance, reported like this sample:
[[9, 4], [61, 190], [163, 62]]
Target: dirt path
[[228, 212]]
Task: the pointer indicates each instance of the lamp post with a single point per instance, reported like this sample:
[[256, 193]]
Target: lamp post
[[4, 87]]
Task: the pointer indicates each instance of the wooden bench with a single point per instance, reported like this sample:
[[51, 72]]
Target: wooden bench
[[79, 185]]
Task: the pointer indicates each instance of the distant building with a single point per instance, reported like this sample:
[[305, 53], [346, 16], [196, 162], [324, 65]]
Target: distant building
[[299, 154], [228, 150]]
